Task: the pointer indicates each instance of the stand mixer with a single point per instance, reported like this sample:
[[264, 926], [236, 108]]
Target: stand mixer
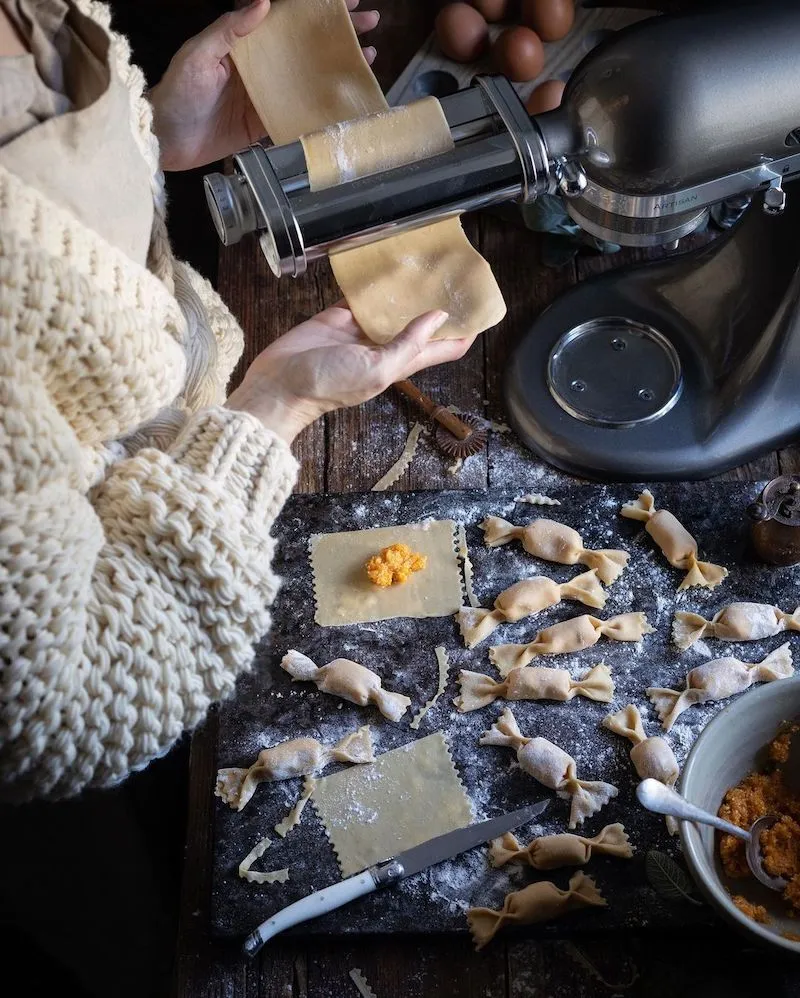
[[679, 368]]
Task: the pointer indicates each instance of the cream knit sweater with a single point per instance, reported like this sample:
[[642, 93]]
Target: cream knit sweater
[[133, 579]]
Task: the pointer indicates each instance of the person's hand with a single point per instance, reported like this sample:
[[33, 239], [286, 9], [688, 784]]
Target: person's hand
[[201, 111], [328, 363]]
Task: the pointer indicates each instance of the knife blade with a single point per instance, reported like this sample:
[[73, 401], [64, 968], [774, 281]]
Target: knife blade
[[405, 864]]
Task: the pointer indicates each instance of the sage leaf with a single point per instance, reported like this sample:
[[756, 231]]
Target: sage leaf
[[668, 878]]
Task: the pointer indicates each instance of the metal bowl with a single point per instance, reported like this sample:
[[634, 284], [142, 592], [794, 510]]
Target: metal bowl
[[731, 747]]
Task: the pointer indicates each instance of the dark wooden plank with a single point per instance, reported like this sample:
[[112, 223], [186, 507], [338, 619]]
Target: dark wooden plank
[[515, 255], [408, 968], [641, 966], [789, 460]]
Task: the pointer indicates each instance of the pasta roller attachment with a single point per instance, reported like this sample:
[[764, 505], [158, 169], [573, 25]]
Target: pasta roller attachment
[[775, 531]]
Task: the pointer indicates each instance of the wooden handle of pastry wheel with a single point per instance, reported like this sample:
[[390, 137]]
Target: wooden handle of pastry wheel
[[451, 422]]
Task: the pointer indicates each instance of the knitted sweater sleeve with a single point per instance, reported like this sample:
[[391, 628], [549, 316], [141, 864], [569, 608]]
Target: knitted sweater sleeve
[[125, 614]]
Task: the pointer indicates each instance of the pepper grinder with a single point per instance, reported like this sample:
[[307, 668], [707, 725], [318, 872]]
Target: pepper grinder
[[775, 532]]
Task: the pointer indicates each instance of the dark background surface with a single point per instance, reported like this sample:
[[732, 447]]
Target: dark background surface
[[89, 890]]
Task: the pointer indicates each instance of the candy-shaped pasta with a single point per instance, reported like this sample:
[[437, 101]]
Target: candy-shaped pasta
[[539, 902], [348, 680], [533, 683], [553, 541], [675, 541], [549, 852], [737, 622], [652, 758], [552, 767], [298, 757], [570, 636], [525, 599], [718, 680]]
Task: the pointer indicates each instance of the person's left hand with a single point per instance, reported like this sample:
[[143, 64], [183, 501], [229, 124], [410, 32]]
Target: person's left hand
[[201, 111]]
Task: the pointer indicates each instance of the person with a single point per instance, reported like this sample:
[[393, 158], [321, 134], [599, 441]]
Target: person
[[136, 500]]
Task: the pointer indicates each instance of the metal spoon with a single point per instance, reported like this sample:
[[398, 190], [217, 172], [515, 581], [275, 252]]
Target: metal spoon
[[662, 799]]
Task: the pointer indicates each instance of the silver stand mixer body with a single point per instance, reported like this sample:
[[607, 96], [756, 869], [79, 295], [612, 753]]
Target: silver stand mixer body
[[675, 369]]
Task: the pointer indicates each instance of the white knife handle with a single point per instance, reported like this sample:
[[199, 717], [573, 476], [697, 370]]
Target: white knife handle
[[320, 903]]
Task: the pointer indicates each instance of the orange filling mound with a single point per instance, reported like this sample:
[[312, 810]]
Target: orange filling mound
[[394, 565]]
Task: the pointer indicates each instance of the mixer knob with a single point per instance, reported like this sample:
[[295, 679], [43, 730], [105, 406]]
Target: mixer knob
[[571, 179], [775, 198]]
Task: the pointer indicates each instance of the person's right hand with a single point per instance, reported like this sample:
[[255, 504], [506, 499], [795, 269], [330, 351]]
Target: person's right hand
[[328, 363]]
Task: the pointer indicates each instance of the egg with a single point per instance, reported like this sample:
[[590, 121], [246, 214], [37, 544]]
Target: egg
[[519, 54], [462, 32], [492, 10], [546, 97], [552, 19]]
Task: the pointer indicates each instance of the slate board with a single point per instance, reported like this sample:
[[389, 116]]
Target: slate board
[[268, 708]]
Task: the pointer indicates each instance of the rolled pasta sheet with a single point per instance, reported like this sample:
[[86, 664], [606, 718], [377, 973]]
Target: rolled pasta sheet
[[348, 680], [652, 758], [556, 542], [533, 683], [570, 636], [676, 543], [525, 599], [539, 902], [718, 680], [297, 757], [737, 622], [552, 767], [550, 852]]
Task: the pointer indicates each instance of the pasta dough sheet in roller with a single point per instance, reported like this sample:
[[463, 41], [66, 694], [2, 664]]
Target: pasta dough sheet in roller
[[391, 282]]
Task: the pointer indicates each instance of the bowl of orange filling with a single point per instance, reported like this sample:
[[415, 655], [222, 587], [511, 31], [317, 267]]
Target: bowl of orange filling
[[735, 769]]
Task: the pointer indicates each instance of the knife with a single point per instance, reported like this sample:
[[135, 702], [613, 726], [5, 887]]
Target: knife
[[406, 864]]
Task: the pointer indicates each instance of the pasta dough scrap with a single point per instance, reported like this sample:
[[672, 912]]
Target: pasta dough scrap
[[533, 683], [526, 599], [348, 680], [552, 767], [466, 561], [405, 459], [652, 758], [357, 977], [737, 622], [297, 757], [345, 595], [539, 902], [553, 541], [550, 852], [444, 668], [570, 636], [675, 541], [718, 680], [407, 796], [292, 819], [272, 877]]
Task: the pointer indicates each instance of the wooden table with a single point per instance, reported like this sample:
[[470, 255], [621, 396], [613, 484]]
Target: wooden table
[[349, 452]]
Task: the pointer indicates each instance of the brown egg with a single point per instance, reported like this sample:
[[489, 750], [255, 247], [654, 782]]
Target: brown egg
[[462, 32], [546, 97], [492, 10], [552, 19], [519, 54]]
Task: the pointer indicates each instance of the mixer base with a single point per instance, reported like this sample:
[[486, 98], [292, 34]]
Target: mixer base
[[712, 360]]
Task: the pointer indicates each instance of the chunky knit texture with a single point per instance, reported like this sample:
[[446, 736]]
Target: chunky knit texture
[[133, 580]]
